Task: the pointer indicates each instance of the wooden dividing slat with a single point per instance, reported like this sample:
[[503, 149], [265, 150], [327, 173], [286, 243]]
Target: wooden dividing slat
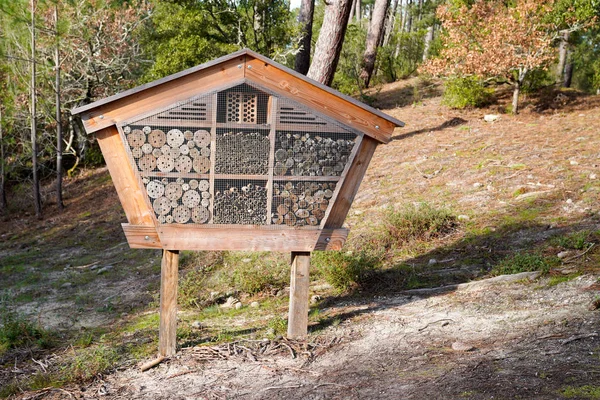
[[236, 125], [187, 175], [242, 177], [213, 156], [293, 178], [272, 115]]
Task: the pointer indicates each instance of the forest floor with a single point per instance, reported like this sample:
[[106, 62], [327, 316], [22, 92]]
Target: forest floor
[[521, 186]]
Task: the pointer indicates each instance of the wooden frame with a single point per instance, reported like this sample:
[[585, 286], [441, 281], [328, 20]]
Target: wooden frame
[[309, 108]]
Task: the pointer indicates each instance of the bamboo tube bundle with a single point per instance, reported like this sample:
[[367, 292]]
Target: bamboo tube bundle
[[241, 204], [301, 203], [242, 152]]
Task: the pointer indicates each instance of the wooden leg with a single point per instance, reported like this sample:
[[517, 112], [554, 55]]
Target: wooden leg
[[298, 313], [167, 335]]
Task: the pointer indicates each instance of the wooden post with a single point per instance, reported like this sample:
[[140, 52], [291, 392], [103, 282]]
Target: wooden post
[[298, 312], [167, 336]]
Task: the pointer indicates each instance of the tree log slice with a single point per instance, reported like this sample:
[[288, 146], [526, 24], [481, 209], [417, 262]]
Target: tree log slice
[[175, 138], [155, 189], [181, 214], [157, 138]]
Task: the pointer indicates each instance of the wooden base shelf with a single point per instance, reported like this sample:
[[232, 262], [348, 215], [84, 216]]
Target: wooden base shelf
[[247, 238]]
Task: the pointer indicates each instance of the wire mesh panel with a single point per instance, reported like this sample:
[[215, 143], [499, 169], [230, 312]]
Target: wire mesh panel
[[242, 151], [240, 202], [240, 156]]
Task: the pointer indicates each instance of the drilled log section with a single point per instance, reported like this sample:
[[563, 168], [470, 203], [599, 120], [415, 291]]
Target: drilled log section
[[298, 312], [312, 155], [300, 203], [167, 336]]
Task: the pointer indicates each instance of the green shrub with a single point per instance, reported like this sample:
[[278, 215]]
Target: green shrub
[[537, 79], [192, 290], [466, 91], [16, 331], [345, 270], [581, 392], [575, 240], [92, 361], [524, 262], [416, 222], [254, 272]]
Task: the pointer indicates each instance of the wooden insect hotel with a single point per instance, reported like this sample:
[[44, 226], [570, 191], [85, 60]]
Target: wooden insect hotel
[[240, 153]]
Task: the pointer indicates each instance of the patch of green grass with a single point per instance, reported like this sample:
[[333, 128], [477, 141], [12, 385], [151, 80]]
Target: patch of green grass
[[414, 222], [345, 270], [91, 361], [556, 280], [581, 392], [16, 331], [575, 240], [277, 326], [253, 272], [192, 289], [524, 262], [145, 322]]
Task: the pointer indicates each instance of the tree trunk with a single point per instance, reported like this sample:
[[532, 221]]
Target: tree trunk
[[357, 11], [517, 89], [36, 182], [409, 16], [373, 36], [3, 204], [515, 100], [59, 135], [305, 18], [330, 41], [427, 43], [352, 11], [568, 74], [563, 48], [390, 23]]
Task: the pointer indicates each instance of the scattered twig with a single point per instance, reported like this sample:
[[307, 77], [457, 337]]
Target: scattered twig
[[290, 349], [181, 374], [41, 364], [435, 322], [578, 337], [578, 255], [153, 363], [88, 265], [329, 384], [43, 391], [282, 387]]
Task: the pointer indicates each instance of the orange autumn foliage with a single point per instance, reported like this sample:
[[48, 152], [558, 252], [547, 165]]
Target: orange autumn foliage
[[493, 39]]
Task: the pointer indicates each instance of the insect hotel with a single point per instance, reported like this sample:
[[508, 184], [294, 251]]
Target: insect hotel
[[240, 153]]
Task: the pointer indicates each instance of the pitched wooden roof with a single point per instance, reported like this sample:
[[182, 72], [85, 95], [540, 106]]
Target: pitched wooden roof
[[242, 66]]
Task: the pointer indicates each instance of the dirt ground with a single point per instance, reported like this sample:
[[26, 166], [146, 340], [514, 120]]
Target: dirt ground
[[516, 182], [504, 338]]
